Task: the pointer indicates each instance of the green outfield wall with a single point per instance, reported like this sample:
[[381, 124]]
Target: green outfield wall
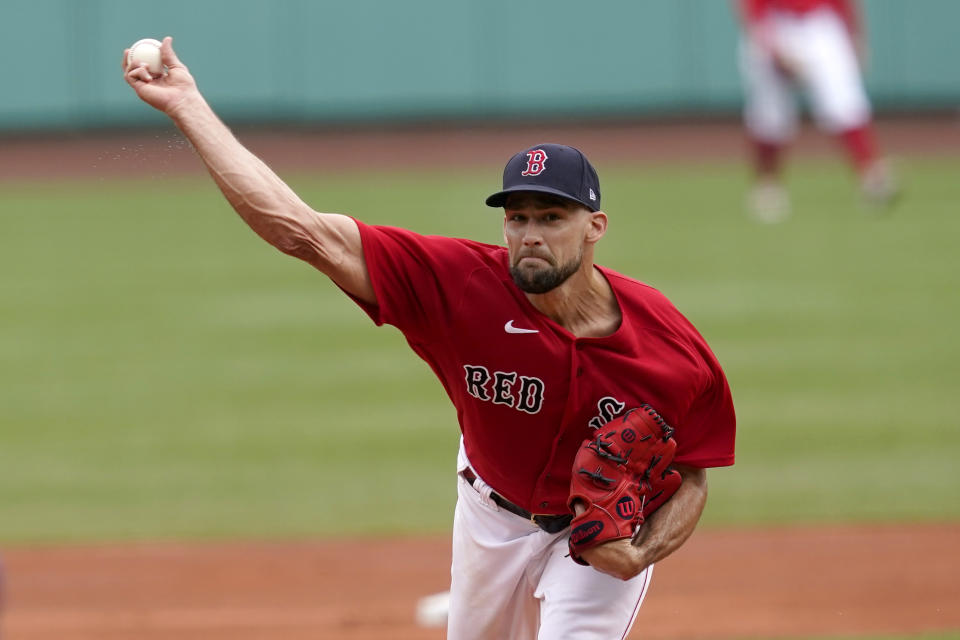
[[374, 60]]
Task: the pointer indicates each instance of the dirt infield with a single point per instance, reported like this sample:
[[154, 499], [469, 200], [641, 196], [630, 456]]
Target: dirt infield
[[723, 584], [164, 153]]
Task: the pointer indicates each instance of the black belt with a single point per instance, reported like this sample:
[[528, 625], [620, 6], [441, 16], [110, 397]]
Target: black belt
[[548, 522]]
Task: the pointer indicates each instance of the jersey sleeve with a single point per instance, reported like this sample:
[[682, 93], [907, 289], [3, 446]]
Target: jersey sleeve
[[709, 428], [417, 279], [751, 11]]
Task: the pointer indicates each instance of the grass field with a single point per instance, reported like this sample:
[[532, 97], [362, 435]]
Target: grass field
[[167, 374]]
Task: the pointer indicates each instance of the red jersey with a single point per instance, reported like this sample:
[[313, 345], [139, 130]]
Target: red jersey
[[527, 392], [753, 11]]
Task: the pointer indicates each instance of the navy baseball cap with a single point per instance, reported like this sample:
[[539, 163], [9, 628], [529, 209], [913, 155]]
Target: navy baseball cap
[[551, 168]]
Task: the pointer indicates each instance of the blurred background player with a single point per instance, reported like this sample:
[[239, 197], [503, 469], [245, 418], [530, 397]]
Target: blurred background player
[[818, 47]]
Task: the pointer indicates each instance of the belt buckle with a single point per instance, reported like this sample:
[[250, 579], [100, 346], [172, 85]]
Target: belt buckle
[[552, 523], [534, 516]]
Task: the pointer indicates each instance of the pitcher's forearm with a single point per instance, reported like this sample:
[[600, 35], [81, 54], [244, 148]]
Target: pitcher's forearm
[[675, 521], [328, 241], [255, 192]]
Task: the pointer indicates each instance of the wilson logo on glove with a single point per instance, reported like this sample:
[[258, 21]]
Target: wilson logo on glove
[[586, 532], [620, 477], [626, 507]]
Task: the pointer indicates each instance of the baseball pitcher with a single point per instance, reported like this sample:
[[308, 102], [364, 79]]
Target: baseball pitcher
[[589, 407]]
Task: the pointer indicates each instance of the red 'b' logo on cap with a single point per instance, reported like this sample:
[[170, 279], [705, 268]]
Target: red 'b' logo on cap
[[536, 162]]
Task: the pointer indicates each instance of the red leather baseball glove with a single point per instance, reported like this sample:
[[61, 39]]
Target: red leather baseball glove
[[621, 476]]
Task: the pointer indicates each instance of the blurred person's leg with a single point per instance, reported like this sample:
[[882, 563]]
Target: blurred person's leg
[[770, 119], [840, 104]]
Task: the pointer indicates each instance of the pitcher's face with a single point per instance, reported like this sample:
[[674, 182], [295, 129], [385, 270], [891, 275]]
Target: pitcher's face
[[545, 238]]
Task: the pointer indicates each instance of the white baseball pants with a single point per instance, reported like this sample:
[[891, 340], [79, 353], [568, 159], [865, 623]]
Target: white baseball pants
[[829, 75], [513, 581]]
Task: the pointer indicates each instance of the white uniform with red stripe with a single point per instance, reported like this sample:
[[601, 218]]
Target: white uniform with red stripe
[[814, 39]]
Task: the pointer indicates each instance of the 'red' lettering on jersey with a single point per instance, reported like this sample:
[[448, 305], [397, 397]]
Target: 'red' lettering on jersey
[[536, 163], [502, 388], [526, 391]]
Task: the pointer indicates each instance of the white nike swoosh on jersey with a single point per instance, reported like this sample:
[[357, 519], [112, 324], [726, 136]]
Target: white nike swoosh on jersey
[[509, 328]]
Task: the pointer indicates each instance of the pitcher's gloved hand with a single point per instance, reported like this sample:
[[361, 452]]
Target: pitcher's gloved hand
[[620, 477]]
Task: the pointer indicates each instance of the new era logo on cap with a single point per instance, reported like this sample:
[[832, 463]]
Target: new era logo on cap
[[551, 168]]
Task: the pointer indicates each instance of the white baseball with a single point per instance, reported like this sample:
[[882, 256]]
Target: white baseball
[[146, 50]]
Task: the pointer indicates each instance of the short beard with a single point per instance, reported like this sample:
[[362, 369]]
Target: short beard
[[547, 279]]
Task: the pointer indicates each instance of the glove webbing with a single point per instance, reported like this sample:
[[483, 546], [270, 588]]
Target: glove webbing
[[597, 476]]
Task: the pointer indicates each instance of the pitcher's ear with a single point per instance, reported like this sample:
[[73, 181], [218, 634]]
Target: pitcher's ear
[[597, 226]]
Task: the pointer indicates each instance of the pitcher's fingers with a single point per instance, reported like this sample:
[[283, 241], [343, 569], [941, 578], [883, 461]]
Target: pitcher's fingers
[[131, 78], [139, 73], [167, 54], [123, 61]]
